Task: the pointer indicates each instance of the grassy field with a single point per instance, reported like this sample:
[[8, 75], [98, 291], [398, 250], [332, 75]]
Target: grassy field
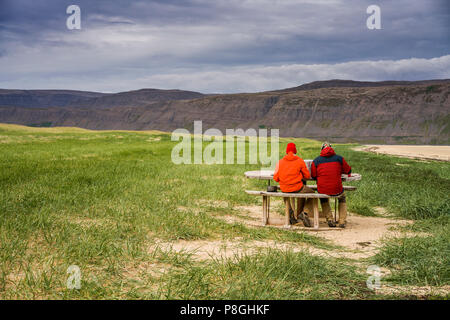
[[110, 201]]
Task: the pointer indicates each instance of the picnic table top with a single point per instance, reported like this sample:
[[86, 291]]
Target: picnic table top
[[268, 175]]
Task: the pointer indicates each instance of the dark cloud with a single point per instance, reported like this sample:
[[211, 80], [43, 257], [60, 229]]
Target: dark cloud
[[152, 38]]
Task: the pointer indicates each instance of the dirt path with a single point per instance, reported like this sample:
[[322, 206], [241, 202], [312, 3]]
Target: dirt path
[[360, 239], [414, 152]]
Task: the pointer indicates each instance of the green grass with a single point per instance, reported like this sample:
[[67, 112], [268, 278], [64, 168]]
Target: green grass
[[421, 259], [418, 260], [409, 188], [100, 200], [267, 275]]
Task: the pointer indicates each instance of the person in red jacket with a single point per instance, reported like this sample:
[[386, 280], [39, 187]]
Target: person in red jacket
[[327, 170], [290, 172]]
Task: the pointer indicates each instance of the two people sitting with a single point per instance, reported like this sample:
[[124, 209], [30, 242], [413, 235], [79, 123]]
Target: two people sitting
[[291, 172]]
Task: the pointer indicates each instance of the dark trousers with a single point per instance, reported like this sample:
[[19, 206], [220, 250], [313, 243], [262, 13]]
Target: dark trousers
[[342, 207], [302, 203]]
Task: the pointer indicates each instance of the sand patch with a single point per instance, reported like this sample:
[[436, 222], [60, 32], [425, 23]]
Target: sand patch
[[441, 153], [234, 178], [138, 271], [188, 210], [89, 155], [37, 260], [31, 138], [6, 139], [402, 164], [361, 238], [251, 216], [203, 250], [420, 292], [382, 211], [89, 137], [212, 203], [90, 222], [364, 234]]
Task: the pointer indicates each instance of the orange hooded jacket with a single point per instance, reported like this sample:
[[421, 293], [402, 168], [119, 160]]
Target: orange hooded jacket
[[290, 171]]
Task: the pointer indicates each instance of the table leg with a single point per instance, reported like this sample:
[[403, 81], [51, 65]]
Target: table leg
[[316, 213], [264, 220], [287, 223]]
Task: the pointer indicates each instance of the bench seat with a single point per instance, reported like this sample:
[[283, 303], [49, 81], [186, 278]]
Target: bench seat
[[287, 195], [266, 203]]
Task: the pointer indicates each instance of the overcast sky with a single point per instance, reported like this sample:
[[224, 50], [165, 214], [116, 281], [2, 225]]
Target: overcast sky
[[219, 46]]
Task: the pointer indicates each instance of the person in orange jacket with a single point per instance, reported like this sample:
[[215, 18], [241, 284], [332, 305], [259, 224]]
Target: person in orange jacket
[[290, 172]]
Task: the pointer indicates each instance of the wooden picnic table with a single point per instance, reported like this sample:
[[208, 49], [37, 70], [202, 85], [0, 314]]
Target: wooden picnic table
[[268, 175]]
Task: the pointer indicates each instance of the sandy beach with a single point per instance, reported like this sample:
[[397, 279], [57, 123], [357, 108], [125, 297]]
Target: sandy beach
[[416, 152]]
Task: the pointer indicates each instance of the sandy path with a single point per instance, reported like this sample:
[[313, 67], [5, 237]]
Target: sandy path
[[360, 239], [415, 152]]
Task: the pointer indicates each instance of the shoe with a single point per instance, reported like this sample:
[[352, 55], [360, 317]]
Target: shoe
[[342, 225], [331, 223], [292, 219], [304, 218]]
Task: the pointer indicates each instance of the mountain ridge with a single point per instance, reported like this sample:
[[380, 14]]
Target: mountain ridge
[[340, 83], [61, 98], [344, 111]]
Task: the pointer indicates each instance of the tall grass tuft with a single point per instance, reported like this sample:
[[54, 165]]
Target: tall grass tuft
[[268, 275]]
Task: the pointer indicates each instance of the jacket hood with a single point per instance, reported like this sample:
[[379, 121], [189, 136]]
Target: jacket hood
[[290, 157], [327, 152]]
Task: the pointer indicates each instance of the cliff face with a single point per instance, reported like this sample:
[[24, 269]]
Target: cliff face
[[399, 113]]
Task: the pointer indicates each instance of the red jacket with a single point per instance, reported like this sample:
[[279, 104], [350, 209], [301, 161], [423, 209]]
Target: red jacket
[[290, 171], [327, 169]]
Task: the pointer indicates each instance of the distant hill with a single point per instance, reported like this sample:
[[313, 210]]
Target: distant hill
[[336, 83], [45, 98], [336, 110], [140, 98], [64, 98]]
